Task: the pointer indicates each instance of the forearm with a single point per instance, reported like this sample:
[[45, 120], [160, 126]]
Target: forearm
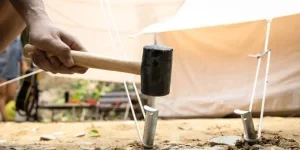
[[11, 24], [24, 63], [32, 11], [23, 66]]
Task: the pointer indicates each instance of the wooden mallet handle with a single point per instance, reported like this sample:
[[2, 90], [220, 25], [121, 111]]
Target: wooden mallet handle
[[90, 60]]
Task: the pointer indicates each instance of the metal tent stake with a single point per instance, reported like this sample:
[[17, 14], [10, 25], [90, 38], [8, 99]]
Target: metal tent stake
[[250, 134], [249, 130], [151, 101], [150, 127]]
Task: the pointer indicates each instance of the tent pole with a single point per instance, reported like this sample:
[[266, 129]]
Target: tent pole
[[255, 84], [155, 39], [266, 76], [249, 131]]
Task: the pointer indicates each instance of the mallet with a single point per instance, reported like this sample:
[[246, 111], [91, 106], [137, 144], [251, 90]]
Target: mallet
[[155, 68], [155, 71]]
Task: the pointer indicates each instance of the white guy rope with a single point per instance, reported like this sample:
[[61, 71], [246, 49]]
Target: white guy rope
[[266, 77], [21, 77], [125, 85], [264, 95], [255, 83], [123, 53]]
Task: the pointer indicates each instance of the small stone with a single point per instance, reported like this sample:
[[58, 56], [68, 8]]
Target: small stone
[[70, 141], [175, 147], [185, 128], [255, 147], [79, 134], [273, 148], [166, 147], [47, 137], [16, 148], [2, 142], [87, 148], [219, 147], [291, 140], [174, 143], [86, 143], [166, 141], [34, 129], [227, 140]]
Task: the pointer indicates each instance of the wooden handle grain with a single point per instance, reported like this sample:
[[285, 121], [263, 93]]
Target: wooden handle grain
[[90, 60]]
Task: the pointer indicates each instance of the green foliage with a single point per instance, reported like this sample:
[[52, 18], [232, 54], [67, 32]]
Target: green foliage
[[93, 133], [83, 91], [58, 116], [120, 87], [80, 89], [60, 101], [69, 116], [96, 94]]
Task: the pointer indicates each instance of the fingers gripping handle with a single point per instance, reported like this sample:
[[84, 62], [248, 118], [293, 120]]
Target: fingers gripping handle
[[89, 60]]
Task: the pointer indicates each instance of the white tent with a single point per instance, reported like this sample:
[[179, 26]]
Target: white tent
[[196, 14], [212, 73]]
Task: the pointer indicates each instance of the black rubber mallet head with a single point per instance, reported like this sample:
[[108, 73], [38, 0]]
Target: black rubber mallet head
[[156, 70]]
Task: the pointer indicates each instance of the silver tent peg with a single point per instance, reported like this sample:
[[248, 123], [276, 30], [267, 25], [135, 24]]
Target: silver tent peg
[[249, 130], [150, 127]]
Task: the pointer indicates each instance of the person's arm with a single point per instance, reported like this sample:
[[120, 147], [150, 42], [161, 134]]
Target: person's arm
[[11, 24], [32, 11], [23, 66], [46, 37], [22, 60]]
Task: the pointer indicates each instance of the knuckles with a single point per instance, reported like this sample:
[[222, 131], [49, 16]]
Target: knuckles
[[63, 51], [38, 38]]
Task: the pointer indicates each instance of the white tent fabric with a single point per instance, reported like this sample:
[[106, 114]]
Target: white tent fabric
[[196, 14], [212, 73]]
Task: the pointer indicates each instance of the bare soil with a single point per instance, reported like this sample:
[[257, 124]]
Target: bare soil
[[278, 133]]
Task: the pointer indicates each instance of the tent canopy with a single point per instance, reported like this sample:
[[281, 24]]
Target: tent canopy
[[212, 74], [196, 14]]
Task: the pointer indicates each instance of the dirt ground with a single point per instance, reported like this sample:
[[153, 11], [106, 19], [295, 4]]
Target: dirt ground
[[171, 134]]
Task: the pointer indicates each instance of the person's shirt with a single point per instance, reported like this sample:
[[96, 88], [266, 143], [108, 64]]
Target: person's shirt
[[14, 54], [3, 59]]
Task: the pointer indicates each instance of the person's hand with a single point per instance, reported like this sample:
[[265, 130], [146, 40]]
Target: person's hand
[[48, 38]]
